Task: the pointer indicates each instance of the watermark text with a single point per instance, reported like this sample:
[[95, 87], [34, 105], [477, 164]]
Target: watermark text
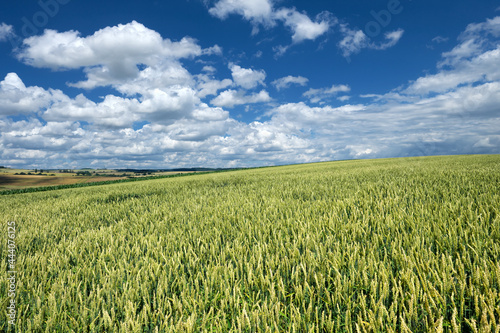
[[11, 273]]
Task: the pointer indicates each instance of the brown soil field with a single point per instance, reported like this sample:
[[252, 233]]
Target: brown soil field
[[9, 182]]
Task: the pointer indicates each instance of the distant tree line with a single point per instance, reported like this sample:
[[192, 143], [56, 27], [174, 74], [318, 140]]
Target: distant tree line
[[36, 173], [83, 173]]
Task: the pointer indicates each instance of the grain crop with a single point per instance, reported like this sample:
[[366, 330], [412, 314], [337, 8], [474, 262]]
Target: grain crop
[[389, 245]]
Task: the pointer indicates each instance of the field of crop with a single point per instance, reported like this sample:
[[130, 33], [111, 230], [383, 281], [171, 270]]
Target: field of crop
[[10, 179], [391, 245], [12, 182]]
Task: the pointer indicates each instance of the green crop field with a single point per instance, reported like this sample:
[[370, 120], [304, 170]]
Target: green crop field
[[390, 245]]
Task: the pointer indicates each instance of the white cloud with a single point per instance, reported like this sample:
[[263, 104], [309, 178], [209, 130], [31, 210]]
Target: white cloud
[[442, 82], [261, 12], [440, 39], [454, 110], [392, 38], [209, 69], [31, 140], [317, 95], [205, 113], [460, 52], [230, 98], [280, 50], [166, 73], [18, 99], [111, 55], [302, 26], [209, 86], [285, 82], [353, 41], [6, 31], [489, 27], [119, 47], [213, 50], [300, 115], [246, 77], [473, 41], [474, 60], [112, 112], [484, 143], [255, 11], [356, 40], [168, 104]]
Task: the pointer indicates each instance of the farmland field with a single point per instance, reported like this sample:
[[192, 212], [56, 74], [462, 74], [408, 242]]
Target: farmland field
[[390, 245], [9, 182], [12, 180]]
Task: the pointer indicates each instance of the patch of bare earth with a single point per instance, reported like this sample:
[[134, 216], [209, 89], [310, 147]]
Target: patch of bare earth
[[22, 181]]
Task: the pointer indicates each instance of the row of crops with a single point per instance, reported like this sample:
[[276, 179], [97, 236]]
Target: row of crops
[[393, 245]]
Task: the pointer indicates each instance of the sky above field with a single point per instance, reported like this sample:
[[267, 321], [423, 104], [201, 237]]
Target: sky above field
[[235, 83]]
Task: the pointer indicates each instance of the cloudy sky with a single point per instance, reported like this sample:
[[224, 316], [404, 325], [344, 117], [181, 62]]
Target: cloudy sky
[[236, 83]]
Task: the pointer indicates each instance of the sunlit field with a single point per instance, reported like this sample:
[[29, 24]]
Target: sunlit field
[[390, 245]]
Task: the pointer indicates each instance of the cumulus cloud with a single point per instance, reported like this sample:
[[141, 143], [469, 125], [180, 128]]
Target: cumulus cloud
[[287, 81], [255, 11], [31, 140], [302, 26], [112, 55], [229, 98], [454, 110], [18, 99], [209, 86], [168, 104], [246, 77], [119, 47], [164, 74]]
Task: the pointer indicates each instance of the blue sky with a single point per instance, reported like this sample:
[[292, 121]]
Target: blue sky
[[236, 83]]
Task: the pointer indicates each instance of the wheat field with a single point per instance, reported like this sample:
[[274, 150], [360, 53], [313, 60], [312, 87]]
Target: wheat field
[[389, 245]]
